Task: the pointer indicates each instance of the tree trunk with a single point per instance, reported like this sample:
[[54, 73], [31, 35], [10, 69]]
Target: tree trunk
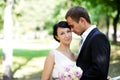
[[7, 48], [116, 19], [68, 4], [107, 25]]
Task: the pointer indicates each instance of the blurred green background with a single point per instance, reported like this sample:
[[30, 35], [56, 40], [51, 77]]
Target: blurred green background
[[32, 32]]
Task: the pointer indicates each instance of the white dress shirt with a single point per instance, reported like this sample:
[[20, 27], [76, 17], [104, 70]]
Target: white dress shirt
[[85, 34]]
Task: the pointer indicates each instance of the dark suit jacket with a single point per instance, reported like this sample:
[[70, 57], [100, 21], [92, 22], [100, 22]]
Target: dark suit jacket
[[94, 56]]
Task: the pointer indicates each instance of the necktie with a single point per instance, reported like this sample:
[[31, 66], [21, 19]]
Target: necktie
[[81, 41]]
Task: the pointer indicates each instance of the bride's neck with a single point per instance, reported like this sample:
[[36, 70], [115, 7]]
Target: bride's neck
[[64, 48]]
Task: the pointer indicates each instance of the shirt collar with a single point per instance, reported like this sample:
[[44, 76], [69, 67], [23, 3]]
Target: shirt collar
[[85, 34]]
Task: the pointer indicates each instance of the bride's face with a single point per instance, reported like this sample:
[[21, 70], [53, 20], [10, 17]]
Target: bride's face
[[64, 35]]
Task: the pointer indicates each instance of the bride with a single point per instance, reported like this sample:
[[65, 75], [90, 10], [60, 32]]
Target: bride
[[62, 56]]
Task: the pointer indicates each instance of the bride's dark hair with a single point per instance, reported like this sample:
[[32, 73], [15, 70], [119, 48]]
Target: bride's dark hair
[[61, 24]]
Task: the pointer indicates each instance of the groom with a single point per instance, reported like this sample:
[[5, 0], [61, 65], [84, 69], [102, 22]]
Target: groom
[[94, 54]]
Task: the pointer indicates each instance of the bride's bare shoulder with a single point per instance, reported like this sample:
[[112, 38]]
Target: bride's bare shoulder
[[51, 53]]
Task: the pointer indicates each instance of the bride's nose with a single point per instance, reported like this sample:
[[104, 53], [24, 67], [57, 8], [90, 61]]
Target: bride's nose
[[66, 35]]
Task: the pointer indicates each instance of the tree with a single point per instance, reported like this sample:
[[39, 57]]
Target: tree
[[68, 4], [7, 49], [110, 8], [58, 14], [116, 19], [2, 6]]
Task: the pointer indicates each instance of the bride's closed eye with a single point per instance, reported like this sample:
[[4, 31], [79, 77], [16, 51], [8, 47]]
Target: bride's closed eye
[[68, 31], [62, 33]]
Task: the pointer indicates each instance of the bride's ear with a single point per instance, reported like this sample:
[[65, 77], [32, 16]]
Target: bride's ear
[[57, 37]]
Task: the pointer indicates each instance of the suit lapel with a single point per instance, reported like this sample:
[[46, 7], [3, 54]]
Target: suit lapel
[[88, 38]]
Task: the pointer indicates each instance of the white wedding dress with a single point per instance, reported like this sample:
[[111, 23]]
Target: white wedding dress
[[61, 61]]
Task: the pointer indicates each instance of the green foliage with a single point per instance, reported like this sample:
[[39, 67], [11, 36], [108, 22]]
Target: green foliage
[[57, 15], [27, 14], [31, 13], [99, 9], [48, 26], [2, 6], [95, 12], [107, 6]]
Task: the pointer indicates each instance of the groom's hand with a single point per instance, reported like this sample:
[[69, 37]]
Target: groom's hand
[[109, 78]]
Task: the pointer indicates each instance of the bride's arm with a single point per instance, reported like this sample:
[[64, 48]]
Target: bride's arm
[[48, 67]]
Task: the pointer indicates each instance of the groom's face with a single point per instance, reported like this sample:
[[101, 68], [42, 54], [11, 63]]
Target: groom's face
[[76, 27]]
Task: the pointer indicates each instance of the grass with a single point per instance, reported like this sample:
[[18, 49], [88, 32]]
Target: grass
[[28, 59], [29, 54], [114, 69], [28, 62]]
